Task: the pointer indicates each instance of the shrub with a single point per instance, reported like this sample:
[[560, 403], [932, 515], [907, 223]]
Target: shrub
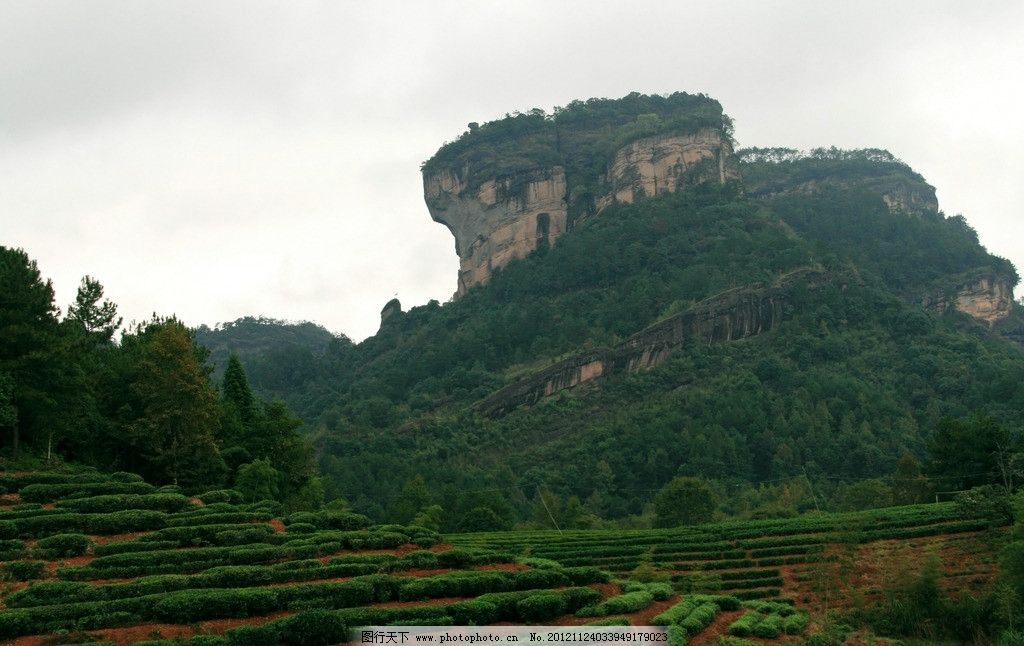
[[700, 618], [621, 604], [124, 476], [188, 606], [300, 528], [769, 627], [169, 502], [541, 606], [676, 635], [221, 495], [609, 621], [312, 627], [64, 545], [473, 612], [24, 570], [795, 623], [107, 620], [415, 560], [744, 626], [52, 492]]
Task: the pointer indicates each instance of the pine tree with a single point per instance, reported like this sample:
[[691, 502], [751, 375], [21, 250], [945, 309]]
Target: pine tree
[[180, 411], [98, 320], [30, 354]]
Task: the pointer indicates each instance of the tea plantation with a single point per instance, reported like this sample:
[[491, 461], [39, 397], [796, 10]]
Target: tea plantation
[[108, 558]]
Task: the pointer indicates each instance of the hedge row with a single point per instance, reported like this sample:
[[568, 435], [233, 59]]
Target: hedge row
[[617, 605], [118, 522], [169, 502], [54, 492], [63, 546]]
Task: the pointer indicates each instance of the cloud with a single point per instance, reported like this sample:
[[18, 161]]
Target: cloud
[[218, 159]]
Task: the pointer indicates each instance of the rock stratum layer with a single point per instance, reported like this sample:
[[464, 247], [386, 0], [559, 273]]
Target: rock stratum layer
[[736, 314]]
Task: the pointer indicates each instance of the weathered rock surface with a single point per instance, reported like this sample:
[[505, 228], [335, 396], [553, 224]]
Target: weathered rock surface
[[666, 163], [987, 297], [736, 314], [508, 217], [505, 218]]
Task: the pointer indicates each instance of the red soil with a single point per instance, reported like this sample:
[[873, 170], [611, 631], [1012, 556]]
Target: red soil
[[197, 502], [440, 547], [277, 525]]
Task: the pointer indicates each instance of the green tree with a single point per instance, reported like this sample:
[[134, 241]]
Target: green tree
[[482, 519], [258, 480], [414, 497], [684, 501], [238, 397], [965, 453], [430, 517], [31, 353], [866, 494], [180, 413], [98, 320]]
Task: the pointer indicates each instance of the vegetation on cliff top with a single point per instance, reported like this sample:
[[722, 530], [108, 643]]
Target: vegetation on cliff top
[[582, 137]]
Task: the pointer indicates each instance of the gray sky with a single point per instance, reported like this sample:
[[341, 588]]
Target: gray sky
[[220, 159]]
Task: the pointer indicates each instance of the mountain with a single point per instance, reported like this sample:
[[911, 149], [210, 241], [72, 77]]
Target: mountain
[[637, 301]]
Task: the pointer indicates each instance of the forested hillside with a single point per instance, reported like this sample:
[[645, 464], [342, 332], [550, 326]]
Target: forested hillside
[[888, 327], [845, 393]]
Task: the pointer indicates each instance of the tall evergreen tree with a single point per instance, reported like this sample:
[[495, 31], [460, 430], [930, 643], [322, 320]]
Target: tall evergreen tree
[[180, 412], [31, 350], [97, 319]]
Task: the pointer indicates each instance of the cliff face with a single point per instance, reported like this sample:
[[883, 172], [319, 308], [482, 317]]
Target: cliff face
[[503, 219], [508, 217], [987, 297], [667, 163]]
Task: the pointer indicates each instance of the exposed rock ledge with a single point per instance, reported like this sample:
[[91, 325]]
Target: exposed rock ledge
[[736, 314], [986, 297]]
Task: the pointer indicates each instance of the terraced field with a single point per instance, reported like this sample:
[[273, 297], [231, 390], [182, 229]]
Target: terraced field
[[109, 558], [817, 562]]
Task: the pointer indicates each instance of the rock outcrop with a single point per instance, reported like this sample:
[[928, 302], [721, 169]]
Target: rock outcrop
[[508, 217], [987, 297], [504, 218], [391, 309], [736, 314], [666, 163]]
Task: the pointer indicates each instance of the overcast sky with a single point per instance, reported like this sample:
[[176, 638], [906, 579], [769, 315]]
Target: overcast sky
[[221, 159]]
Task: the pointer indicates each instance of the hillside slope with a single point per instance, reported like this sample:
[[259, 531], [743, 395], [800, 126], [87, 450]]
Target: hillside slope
[[571, 371]]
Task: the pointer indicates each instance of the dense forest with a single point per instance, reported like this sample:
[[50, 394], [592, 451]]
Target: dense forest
[[145, 403]]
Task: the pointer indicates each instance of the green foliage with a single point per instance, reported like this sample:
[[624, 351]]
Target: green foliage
[[684, 501], [987, 502], [64, 545], [541, 607], [23, 570], [257, 480]]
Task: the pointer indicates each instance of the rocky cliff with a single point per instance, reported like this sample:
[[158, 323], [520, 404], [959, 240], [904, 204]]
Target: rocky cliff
[[736, 314], [504, 218], [986, 296], [667, 163], [511, 185]]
